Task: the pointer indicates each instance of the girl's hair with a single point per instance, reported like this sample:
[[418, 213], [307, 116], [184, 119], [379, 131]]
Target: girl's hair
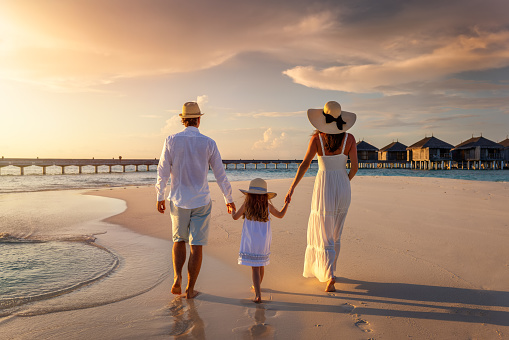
[[332, 142], [257, 207]]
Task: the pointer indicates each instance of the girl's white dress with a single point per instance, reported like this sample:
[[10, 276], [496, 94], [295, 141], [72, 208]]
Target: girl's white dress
[[329, 205], [255, 243]]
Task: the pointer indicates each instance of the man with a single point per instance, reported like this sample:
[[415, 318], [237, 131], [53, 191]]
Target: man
[[185, 159]]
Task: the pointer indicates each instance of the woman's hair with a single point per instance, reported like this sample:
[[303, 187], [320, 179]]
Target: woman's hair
[[332, 142], [257, 207], [190, 121]]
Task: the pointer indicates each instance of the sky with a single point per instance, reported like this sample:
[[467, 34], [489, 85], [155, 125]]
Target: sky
[[108, 78]]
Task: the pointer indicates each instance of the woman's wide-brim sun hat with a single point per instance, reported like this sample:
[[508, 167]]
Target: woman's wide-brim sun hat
[[258, 186], [331, 119], [191, 110]]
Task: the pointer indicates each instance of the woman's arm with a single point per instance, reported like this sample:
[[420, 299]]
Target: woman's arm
[[352, 154], [277, 213], [237, 214], [303, 167]]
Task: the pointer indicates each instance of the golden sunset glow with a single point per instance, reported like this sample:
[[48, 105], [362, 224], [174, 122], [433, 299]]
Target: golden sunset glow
[[102, 78]]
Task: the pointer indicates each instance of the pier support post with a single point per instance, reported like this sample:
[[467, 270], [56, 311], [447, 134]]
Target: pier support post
[[44, 170], [79, 169], [123, 168], [96, 168], [110, 166], [136, 168], [148, 167]]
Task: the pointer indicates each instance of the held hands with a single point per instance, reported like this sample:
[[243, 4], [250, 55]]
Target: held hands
[[231, 208], [161, 206], [288, 197]]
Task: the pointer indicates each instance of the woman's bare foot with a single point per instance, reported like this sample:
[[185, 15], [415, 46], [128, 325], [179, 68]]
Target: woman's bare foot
[[330, 285], [257, 299], [191, 293], [176, 289]]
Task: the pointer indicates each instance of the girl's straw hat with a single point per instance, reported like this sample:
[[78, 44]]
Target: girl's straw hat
[[258, 186], [191, 110], [331, 119]]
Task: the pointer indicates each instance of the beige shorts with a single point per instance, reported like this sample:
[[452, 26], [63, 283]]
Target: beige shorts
[[190, 225]]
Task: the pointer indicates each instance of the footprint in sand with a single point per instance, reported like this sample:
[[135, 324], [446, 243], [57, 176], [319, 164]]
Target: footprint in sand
[[363, 325], [348, 308]]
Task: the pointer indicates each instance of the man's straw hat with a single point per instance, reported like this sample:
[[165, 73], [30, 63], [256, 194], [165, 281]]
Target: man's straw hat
[[258, 186], [191, 110]]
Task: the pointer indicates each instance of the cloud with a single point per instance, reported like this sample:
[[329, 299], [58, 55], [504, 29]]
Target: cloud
[[485, 50], [172, 125], [354, 46], [268, 142], [202, 100]]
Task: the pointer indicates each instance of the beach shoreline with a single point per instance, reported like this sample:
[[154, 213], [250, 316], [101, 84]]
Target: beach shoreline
[[421, 258]]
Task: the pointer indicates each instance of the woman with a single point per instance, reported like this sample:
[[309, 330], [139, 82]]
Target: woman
[[331, 193]]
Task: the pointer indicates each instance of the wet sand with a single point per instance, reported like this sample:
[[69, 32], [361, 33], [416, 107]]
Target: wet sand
[[421, 258]]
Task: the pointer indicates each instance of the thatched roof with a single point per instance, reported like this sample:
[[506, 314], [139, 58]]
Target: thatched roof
[[505, 143], [394, 146], [363, 146], [478, 141], [432, 143]]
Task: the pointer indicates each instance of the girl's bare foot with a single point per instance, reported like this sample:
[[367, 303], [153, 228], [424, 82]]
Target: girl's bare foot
[[176, 289], [330, 285], [257, 299]]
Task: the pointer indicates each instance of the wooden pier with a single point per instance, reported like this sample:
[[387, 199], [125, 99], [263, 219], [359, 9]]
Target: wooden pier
[[264, 163], [22, 163], [145, 164]]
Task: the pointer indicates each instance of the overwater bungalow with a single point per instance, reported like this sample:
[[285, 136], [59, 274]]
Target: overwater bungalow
[[395, 151], [478, 153], [430, 153], [505, 144], [366, 151]]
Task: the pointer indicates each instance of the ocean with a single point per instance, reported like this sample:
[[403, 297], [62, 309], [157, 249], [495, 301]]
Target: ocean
[[57, 253], [33, 180]]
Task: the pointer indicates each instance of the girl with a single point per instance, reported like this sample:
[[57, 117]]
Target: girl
[[256, 235]]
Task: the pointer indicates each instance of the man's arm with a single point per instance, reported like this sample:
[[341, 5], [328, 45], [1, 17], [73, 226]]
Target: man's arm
[[216, 164], [163, 175]]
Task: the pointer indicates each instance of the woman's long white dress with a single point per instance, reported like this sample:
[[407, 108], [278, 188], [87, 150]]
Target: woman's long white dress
[[329, 205]]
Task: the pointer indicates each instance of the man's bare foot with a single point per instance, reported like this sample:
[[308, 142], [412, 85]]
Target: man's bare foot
[[330, 285], [257, 299], [191, 293], [176, 289]]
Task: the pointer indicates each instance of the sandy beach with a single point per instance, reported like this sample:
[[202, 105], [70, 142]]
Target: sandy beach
[[421, 258]]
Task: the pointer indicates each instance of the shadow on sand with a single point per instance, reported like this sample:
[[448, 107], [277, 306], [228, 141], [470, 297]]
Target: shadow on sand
[[416, 301]]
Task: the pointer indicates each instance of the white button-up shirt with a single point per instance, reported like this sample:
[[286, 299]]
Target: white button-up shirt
[[185, 159]]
